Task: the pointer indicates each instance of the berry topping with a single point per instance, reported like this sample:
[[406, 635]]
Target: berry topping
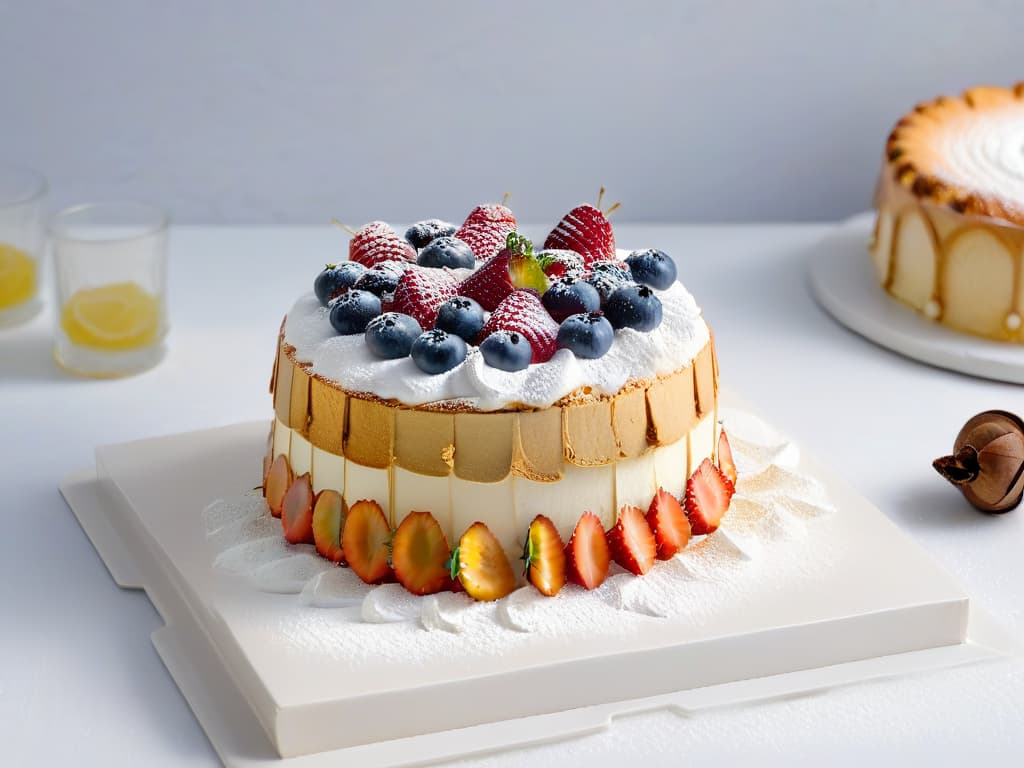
[[522, 312], [279, 479], [377, 242], [544, 554], [462, 316], [447, 251], [485, 229], [364, 541], [725, 460], [570, 296], [633, 306], [588, 336], [632, 541], [607, 276], [335, 279], [653, 268], [562, 264], [507, 351], [421, 233], [708, 493], [382, 279], [436, 351], [514, 266], [391, 335], [483, 567], [351, 311], [419, 554], [421, 291], [587, 554], [586, 231], [328, 520], [669, 523], [297, 511]]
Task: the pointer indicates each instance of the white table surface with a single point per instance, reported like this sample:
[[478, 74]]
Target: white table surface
[[81, 684]]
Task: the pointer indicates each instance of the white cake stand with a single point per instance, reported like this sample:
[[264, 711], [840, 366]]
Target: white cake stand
[[844, 283]]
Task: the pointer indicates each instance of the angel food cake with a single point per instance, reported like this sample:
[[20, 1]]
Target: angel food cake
[[949, 236], [457, 409]]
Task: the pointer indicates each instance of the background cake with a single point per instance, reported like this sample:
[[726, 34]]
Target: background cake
[[949, 237], [622, 424]]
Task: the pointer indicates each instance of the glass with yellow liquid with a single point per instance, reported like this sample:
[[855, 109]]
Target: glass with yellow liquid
[[111, 266], [22, 197]]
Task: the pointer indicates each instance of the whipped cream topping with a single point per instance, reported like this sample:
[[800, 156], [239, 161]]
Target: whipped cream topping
[[983, 150], [634, 355], [774, 507]]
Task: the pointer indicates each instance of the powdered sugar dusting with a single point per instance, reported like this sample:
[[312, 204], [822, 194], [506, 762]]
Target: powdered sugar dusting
[[763, 540]]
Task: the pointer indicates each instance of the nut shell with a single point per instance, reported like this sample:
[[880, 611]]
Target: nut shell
[[987, 464]]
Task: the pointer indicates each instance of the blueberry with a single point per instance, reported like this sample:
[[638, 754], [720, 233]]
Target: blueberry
[[606, 276], [461, 316], [422, 232], [436, 351], [351, 311], [447, 252], [381, 279], [336, 279], [506, 350], [653, 268], [587, 335], [391, 335], [570, 296], [633, 306]]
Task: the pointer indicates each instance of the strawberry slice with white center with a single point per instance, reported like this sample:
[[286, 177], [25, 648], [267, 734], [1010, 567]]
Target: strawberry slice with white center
[[669, 523], [632, 542], [587, 556], [708, 494], [725, 460]]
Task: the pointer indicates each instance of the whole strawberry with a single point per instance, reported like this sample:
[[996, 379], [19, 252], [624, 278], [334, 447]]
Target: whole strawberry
[[585, 230], [485, 229], [521, 311], [376, 242], [513, 267], [421, 291]]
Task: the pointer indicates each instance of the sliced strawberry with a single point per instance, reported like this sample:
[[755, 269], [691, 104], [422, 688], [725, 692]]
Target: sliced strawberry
[[522, 312], [421, 292], [587, 555], [484, 569], [725, 461], [364, 540], [419, 554], [545, 556], [328, 520], [708, 493], [669, 523], [279, 478], [514, 266], [377, 242], [485, 228], [297, 511], [631, 541], [586, 231]]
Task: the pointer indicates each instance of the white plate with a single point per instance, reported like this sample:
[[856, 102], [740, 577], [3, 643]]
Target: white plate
[[245, 659], [844, 283]]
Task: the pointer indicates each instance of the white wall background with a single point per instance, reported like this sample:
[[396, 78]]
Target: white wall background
[[296, 111]]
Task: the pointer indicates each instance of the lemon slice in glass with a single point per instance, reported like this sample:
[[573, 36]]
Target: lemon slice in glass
[[17, 276], [115, 317]]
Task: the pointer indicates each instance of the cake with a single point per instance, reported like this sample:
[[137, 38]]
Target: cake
[[455, 410], [949, 235]]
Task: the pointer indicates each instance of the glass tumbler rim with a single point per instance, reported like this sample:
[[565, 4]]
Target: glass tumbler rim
[[35, 183], [59, 228]]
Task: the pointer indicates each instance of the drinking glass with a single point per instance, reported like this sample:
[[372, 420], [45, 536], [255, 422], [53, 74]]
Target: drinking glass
[[22, 197], [111, 266]]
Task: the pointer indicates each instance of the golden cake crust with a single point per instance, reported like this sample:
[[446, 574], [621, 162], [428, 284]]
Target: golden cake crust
[[914, 158]]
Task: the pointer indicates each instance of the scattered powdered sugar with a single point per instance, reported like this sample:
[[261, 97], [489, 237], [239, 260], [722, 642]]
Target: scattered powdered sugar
[[761, 544], [634, 355]]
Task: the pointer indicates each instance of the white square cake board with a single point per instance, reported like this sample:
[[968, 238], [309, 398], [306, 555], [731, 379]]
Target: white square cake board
[[882, 608]]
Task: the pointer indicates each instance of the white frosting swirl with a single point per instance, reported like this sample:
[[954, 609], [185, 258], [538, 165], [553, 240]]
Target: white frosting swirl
[[634, 355]]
